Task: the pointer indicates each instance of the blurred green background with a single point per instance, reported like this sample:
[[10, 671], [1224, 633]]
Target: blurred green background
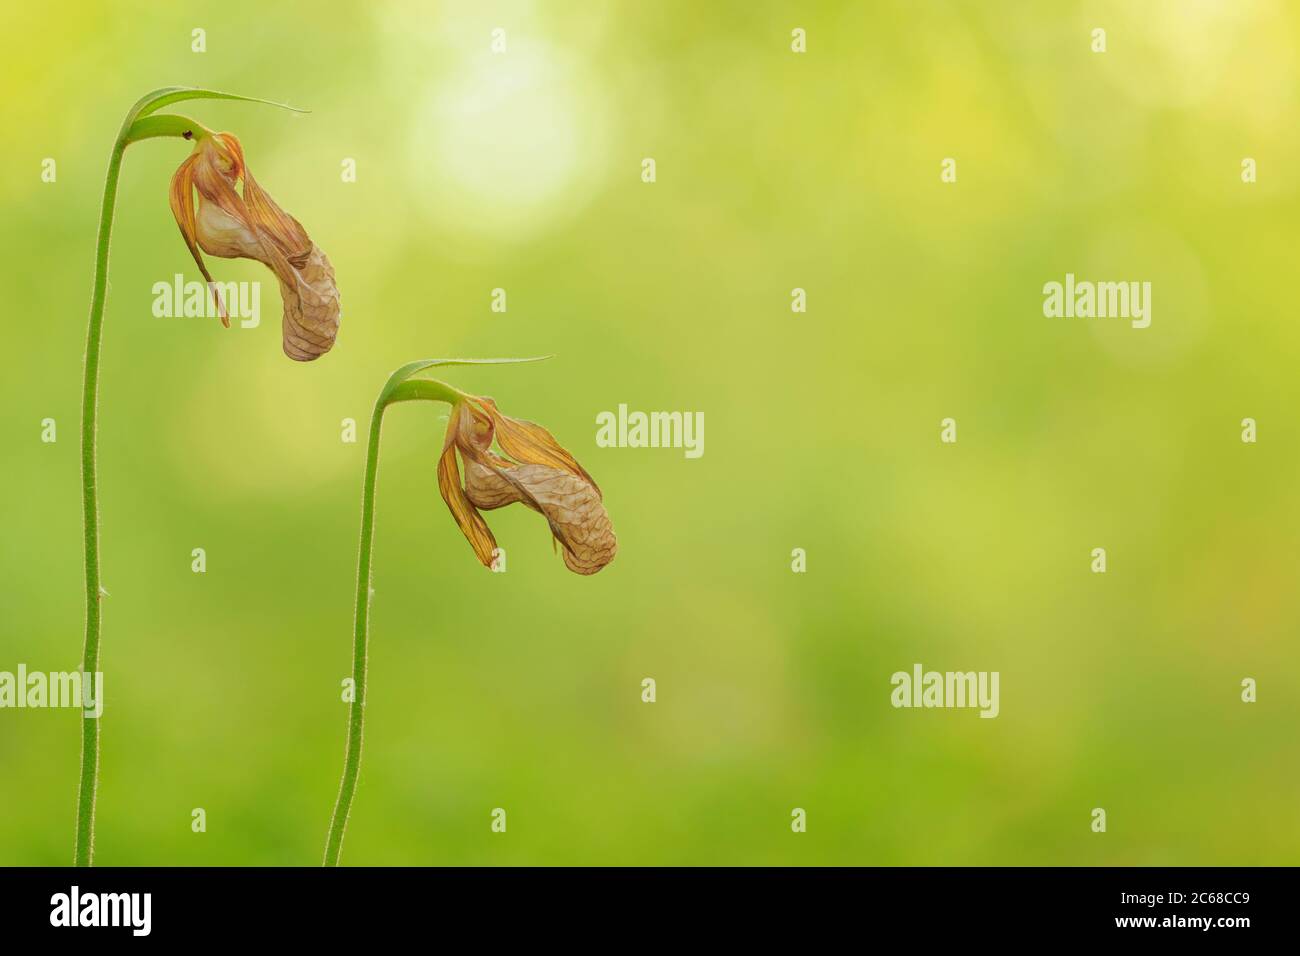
[[775, 170]]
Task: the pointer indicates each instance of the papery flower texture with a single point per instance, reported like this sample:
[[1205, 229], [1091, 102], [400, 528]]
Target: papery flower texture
[[534, 470], [234, 224]]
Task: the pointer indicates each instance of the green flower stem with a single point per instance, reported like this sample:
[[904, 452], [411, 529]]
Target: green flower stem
[[360, 642], [89, 783], [138, 124], [85, 845], [399, 388], [406, 391]]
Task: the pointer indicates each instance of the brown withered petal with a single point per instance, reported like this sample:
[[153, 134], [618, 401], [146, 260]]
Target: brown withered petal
[[470, 521], [484, 487], [181, 199], [530, 443], [251, 226]]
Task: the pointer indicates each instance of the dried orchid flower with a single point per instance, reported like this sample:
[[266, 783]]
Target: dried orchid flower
[[251, 225], [538, 473], [533, 470]]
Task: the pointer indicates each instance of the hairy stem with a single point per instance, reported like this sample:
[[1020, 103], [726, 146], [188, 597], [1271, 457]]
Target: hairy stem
[[88, 785], [85, 845], [141, 122], [360, 642], [395, 391]]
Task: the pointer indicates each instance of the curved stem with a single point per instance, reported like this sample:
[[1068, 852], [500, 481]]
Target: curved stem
[[84, 851], [360, 641], [140, 123], [397, 390], [85, 845]]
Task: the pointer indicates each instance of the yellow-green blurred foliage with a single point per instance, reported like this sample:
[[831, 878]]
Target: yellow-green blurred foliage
[[775, 170]]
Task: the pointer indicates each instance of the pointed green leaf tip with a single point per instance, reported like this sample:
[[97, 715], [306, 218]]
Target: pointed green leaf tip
[[152, 102], [140, 123], [414, 368]]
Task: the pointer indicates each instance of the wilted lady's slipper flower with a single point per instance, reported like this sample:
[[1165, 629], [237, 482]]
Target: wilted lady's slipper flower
[[250, 225], [537, 472], [529, 467], [227, 224]]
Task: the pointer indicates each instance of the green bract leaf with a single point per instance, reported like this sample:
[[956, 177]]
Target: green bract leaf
[[152, 102], [414, 368], [141, 124]]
